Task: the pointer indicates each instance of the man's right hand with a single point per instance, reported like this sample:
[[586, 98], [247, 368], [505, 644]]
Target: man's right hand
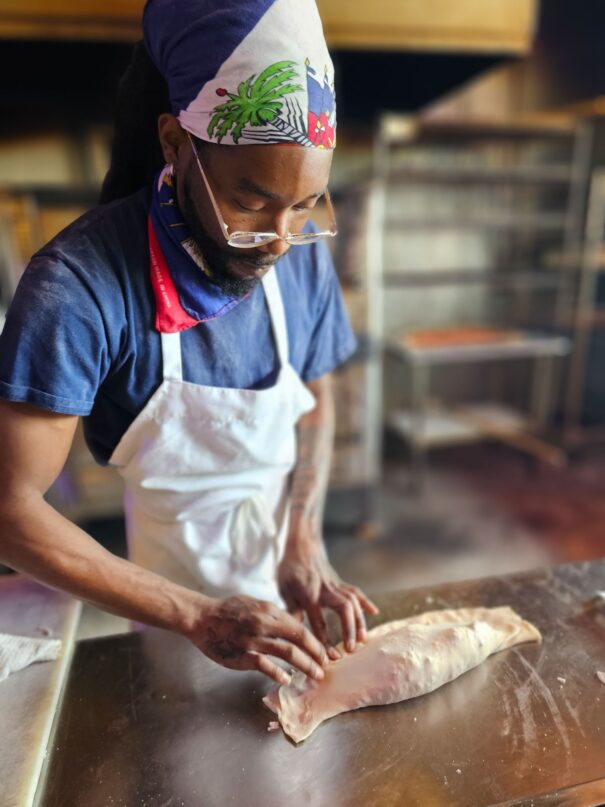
[[241, 633]]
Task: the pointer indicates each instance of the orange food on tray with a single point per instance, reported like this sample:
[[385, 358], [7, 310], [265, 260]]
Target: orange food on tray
[[453, 337]]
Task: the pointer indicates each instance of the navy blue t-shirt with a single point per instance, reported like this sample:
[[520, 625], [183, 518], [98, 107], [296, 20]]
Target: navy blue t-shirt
[[80, 339]]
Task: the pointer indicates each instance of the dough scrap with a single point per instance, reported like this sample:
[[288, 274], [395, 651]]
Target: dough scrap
[[400, 660], [18, 652]]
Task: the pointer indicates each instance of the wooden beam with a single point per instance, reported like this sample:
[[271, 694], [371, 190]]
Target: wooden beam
[[468, 26], [105, 20]]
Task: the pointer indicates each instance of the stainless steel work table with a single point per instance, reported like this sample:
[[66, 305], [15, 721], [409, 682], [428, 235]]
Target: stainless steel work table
[[29, 698], [148, 720]]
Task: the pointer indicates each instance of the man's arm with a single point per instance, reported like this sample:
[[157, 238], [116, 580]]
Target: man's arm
[[307, 581], [36, 539], [238, 632]]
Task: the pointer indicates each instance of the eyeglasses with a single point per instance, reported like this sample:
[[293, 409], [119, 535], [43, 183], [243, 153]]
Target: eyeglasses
[[246, 240]]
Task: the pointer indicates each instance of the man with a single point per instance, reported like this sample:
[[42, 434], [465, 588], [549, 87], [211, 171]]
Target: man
[[200, 367]]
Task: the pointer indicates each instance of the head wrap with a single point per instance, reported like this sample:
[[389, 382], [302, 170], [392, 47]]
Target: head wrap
[[245, 71]]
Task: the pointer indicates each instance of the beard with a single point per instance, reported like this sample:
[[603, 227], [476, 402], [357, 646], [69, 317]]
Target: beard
[[218, 263]]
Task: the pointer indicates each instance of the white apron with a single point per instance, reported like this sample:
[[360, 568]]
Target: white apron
[[207, 472]]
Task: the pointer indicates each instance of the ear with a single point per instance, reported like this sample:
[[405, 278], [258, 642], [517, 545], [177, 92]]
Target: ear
[[171, 136]]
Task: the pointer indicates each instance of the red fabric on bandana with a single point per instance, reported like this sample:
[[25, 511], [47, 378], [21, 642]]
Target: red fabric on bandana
[[170, 317]]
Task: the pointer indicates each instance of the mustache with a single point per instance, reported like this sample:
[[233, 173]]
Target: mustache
[[259, 261]]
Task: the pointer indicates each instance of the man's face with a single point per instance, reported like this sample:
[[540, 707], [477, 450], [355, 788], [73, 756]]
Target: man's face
[[257, 188]]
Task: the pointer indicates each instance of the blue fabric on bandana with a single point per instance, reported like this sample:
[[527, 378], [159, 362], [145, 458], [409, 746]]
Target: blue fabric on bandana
[[199, 297], [189, 41]]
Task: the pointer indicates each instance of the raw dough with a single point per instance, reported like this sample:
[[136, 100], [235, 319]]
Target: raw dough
[[400, 660]]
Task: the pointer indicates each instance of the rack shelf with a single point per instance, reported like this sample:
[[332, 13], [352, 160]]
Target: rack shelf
[[440, 427], [495, 278], [399, 132], [497, 220], [515, 346], [554, 174], [572, 260]]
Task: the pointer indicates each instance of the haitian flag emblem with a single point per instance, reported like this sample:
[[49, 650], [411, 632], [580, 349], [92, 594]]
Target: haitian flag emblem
[[268, 102]]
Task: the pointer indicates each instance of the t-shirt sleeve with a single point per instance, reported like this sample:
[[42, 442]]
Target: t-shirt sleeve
[[53, 349], [332, 340]]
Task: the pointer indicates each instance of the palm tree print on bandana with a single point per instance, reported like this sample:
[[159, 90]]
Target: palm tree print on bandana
[[269, 102]]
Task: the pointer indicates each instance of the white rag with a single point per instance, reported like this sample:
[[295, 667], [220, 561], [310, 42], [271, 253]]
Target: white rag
[[18, 652]]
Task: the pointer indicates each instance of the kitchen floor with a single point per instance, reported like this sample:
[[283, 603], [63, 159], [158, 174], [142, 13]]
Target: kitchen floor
[[484, 510]]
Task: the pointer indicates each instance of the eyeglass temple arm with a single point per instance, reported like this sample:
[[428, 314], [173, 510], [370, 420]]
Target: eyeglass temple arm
[[219, 215], [333, 226]]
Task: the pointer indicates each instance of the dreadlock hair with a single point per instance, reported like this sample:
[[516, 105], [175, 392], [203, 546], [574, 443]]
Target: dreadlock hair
[[136, 154]]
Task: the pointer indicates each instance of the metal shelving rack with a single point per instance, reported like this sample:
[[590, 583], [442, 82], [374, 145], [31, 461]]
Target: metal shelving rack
[[357, 463], [588, 315], [425, 425]]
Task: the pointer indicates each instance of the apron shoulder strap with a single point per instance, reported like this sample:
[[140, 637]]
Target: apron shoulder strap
[[172, 363], [278, 315]]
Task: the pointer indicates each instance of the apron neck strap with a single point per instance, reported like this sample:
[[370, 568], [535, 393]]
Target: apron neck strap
[[278, 315], [172, 363], [171, 342]]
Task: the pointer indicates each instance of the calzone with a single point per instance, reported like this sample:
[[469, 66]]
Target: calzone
[[399, 660]]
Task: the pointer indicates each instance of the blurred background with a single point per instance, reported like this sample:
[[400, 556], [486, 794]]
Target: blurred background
[[469, 183]]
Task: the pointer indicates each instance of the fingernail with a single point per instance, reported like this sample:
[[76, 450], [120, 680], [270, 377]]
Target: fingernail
[[363, 635], [318, 673], [350, 645], [284, 678], [333, 653]]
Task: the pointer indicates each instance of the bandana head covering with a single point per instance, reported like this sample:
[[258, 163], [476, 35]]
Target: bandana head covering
[[245, 71]]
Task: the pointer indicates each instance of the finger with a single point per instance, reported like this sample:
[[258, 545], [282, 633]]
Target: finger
[[318, 623], [256, 661], [320, 629], [290, 653], [296, 633], [360, 620], [344, 608], [293, 606], [290, 601], [368, 606]]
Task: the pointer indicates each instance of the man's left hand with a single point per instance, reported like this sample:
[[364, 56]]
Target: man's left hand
[[308, 583]]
